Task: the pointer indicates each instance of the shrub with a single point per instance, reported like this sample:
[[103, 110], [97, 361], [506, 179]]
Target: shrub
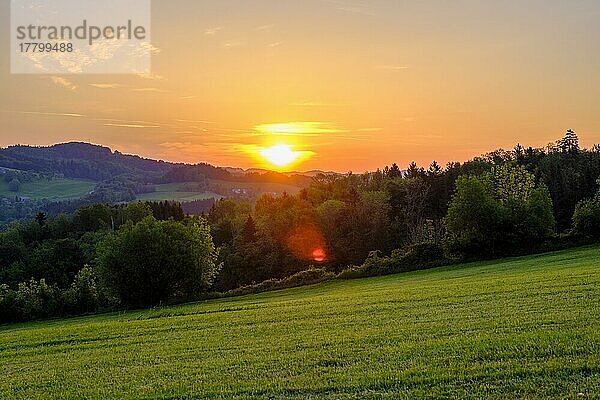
[[302, 278], [82, 296], [37, 300], [586, 219], [8, 306], [412, 258], [32, 300]]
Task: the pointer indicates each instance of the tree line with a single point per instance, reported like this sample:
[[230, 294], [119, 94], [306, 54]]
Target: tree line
[[106, 257]]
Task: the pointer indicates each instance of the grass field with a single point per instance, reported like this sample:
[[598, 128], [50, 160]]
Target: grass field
[[55, 189], [518, 328], [175, 191], [258, 187], [178, 192]]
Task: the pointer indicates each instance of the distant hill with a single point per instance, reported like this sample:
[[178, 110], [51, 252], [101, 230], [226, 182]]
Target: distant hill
[[79, 160], [67, 175]]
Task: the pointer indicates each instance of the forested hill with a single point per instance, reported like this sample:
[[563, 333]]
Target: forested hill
[[63, 177], [99, 163], [79, 160]]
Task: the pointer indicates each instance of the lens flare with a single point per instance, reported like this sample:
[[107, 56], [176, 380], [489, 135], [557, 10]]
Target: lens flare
[[319, 255], [307, 243]]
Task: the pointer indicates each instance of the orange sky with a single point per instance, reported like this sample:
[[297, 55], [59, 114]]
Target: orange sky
[[361, 83]]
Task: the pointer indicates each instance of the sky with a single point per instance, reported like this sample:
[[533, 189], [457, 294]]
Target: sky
[[344, 85]]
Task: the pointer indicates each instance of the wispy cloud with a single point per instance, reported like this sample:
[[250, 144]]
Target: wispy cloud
[[194, 121], [49, 114], [266, 27], [151, 90], [213, 31], [106, 85], [135, 126], [297, 129], [274, 44], [64, 83], [151, 76], [392, 67], [352, 7], [370, 129], [150, 47], [233, 43], [318, 104]]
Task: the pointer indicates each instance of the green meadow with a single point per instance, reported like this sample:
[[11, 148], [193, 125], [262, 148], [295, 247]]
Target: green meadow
[[257, 187], [55, 189], [175, 191], [179, 192], [524, 328]]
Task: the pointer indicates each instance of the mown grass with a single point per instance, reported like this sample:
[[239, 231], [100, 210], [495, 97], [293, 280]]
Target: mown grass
[[518, 328], [55, 189]]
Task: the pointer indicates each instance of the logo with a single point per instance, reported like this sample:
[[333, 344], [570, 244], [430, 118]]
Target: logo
[[81, 37]]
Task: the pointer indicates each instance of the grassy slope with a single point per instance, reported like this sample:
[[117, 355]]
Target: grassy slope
[[519, 328], [57, 189], [174, 191]]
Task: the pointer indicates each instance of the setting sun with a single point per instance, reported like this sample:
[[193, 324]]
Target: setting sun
[[280, 155]]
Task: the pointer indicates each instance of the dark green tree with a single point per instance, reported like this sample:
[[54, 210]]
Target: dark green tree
[[473, 217], [158, 261], [586, 219], [569, 143], [41, 218], [498, 213]]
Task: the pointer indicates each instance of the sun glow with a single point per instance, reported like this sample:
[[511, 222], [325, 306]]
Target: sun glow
[[297, 129], [280, 155]]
